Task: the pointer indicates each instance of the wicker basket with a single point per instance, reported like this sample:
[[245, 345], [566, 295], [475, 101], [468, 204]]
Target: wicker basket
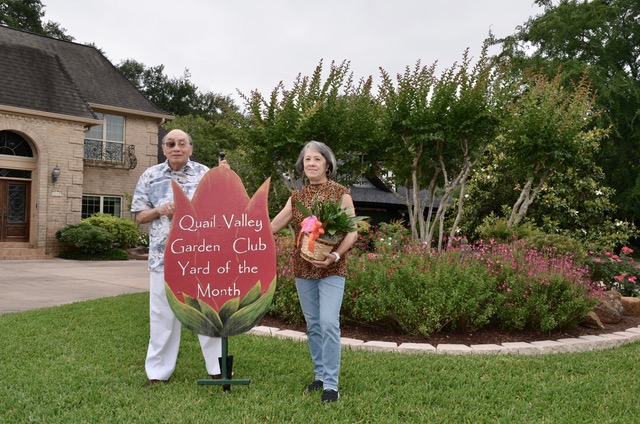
[[321, 246]]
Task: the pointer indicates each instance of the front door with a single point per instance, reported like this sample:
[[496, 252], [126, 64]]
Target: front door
[[14, 211]]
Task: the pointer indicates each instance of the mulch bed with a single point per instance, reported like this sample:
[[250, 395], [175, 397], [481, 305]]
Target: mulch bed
[[483, 336]]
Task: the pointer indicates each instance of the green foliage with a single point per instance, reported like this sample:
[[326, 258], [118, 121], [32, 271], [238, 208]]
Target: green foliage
[[616, 272], [601, 38], [285, 304], [539, 289], [542, 305], [391, 236], [27, 15], [498, 230], [437, 128], [335, 219], [413, 291], [109, 255], [86, 238], [559, 244], [143, 240], [124, 231], [333, 110], [417, 293]]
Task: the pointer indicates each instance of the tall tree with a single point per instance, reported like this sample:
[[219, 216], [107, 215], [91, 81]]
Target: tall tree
[[334, 110], [601, 36], [438, 129], [547, 131], [178, 96], [27, 15]]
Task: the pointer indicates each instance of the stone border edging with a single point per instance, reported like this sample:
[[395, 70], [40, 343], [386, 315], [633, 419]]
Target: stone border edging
[[571, 345]]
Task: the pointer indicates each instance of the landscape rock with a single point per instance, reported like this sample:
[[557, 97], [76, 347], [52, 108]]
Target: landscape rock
[[631, 305], [591, 320], [610, 309]]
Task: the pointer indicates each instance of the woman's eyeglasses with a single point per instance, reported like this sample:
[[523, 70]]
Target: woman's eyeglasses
[[172, 144]]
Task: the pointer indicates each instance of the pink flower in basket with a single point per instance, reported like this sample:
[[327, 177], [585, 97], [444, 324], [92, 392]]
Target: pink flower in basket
[[312, 226], [327, 221]]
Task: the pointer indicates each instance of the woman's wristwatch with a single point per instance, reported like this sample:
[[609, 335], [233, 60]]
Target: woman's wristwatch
[[337, 255]]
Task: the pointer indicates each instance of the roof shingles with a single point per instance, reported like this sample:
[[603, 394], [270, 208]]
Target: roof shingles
[[57, 76]]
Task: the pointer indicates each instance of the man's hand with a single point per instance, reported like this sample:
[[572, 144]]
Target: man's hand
[[168, 209]]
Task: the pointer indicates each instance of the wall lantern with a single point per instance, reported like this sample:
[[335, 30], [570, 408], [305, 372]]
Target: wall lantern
[[55, 174]]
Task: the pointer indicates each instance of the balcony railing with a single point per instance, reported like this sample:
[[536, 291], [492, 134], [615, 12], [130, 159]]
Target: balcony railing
[[110, 154]]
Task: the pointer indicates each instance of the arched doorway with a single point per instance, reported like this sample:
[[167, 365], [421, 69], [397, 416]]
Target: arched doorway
[[16, 168]]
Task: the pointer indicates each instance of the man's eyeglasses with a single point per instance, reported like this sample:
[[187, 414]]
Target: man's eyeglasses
[[172, 144]]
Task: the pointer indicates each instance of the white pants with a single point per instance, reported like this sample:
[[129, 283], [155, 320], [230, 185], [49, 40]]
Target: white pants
[[164, 340]]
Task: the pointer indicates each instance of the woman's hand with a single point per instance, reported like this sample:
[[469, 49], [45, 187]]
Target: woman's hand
[[329, 258]]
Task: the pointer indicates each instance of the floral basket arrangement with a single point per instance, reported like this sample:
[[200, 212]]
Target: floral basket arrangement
[[323, 226]]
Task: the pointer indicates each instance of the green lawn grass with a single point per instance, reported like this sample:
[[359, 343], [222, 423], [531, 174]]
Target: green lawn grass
[[84, 363]]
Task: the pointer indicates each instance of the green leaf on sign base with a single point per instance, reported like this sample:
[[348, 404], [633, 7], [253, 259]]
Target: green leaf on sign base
[[190, 301], [252, 295], [246, 318], [229, 308], [211, 315], [189, 316]]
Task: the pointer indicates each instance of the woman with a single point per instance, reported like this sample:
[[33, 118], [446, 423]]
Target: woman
[[320, 284]]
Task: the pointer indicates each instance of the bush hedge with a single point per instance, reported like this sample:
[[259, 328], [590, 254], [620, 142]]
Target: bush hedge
[[415, 291]]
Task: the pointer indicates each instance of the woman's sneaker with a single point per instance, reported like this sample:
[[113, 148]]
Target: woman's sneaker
[[330, 395], [316, 385]]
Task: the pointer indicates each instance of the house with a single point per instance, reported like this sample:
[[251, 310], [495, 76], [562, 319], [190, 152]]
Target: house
[[75, 136]]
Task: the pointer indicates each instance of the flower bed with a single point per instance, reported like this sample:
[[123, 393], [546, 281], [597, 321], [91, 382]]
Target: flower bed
[[415, 291]]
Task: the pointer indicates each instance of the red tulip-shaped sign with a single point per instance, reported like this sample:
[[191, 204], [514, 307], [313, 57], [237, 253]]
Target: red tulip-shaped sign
[[220, 257]]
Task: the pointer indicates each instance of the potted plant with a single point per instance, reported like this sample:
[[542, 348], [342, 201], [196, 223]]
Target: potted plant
[[323, 226]]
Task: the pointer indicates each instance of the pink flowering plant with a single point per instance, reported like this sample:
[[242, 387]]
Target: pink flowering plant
[[538, 288], [616, 272], [414, 290]]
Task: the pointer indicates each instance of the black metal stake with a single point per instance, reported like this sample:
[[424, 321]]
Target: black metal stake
[[226, 370]]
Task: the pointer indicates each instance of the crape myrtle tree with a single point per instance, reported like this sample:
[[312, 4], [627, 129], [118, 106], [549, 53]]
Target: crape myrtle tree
[[601, 36], [438, 128], [331, 109], [542, 167], [547, 130]]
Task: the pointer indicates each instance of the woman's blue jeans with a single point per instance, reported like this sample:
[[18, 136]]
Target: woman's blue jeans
[[321, 301]]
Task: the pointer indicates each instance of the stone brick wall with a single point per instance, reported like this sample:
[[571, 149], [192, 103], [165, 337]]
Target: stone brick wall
[[56, 141]]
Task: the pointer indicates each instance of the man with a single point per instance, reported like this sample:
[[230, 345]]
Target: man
[[152, 203]]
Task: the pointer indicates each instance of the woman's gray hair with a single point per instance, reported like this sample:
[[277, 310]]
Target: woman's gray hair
[[324, 150]]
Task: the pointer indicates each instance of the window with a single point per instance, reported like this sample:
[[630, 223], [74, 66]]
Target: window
[[105, 142], [105, 204], [13, 144]]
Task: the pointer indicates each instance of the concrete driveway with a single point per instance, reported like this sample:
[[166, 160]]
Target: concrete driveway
[[31, 284]]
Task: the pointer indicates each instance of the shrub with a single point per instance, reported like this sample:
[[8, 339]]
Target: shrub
[[109, 255], [124, 231], [538, 289], [559, 244], [285, 304], [497, 230], [391, 236], [615, 272], [85, 238], [143, 240], [419, 293]]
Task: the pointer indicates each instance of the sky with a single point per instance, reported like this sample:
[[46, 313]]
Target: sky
[[244, 45]]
